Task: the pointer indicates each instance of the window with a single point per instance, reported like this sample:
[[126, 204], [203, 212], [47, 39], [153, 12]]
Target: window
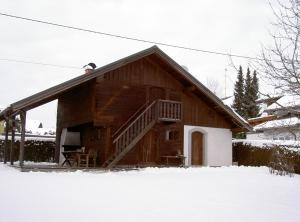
[[288, 138], [172, 135]]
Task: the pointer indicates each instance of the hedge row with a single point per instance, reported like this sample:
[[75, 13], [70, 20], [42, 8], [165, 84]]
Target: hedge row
[[36, 151], [248, 155]]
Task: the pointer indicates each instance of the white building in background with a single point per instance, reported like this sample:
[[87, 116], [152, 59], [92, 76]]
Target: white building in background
[[36, 127], [279, 119]]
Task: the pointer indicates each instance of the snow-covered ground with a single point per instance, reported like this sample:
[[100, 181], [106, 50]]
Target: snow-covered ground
[[169, 194]]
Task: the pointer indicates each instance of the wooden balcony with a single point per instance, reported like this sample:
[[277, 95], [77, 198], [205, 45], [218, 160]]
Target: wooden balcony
[[168, 110]]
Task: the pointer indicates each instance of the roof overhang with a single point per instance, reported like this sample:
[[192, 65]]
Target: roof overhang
[[54, 92]]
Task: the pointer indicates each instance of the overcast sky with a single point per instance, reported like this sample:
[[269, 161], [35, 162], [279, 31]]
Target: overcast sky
[[236, 26]]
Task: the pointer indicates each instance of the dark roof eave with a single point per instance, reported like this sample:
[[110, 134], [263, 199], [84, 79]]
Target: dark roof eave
[[206, 91], [56, 90], [53, 92]]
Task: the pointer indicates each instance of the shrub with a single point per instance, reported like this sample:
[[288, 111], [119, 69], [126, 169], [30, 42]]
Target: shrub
[[275, 157], [281, 162], [34, 150]]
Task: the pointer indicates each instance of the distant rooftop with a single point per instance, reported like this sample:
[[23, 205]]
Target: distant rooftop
[[278, 123], [285, 101]]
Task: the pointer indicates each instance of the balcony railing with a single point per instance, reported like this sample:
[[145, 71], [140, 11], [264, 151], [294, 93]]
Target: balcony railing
[[169, 110]]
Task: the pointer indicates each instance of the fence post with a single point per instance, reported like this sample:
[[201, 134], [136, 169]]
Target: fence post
[[12, 140], [6, 141], [23, 124]]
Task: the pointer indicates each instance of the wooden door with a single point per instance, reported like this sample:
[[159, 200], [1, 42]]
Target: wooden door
[[197, 148], [148, 147]]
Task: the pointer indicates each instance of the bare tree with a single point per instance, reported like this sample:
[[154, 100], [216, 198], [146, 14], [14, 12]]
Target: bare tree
[[214, 86], [280, 62]]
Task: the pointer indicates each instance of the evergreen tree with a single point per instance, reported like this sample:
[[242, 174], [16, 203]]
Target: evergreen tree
[[254, 94], [247, 100], [239, 93]]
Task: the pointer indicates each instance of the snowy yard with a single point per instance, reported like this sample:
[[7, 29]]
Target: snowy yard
[[193, 194]]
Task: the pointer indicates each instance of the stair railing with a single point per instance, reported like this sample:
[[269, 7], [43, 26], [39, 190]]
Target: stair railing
[[129, 119], [169, 110], [136, 127]]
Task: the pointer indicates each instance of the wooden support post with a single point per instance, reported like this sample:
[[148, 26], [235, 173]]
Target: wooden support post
[[11, 156], [22, 142], [6, 141]]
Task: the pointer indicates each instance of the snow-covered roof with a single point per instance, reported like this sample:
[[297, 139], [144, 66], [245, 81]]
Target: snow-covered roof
[[228, 100], [43, 131], [278, 123], [285, 101], [242, 118]]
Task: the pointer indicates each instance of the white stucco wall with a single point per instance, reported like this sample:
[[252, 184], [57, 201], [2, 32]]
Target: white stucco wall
[[273, 134], [217, 145], [255, 136]]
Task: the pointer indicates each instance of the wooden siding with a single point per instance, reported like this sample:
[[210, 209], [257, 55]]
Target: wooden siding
[[197, 112], [144, 72], [100, 107], [76, 106], [116, 102], [154, 146]]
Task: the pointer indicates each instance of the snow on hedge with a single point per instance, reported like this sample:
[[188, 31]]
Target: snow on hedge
[[292, 144], [31, 138], [171, 194]]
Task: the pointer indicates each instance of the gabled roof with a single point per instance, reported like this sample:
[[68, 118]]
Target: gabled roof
[[279, 123], [261, 119], [287, 101], [54, 92]]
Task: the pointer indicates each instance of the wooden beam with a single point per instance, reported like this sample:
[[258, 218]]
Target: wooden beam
[[11, 156], [23, 124], [6, 141]]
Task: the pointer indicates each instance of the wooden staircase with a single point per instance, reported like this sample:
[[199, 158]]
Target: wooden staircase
[[159, 110]]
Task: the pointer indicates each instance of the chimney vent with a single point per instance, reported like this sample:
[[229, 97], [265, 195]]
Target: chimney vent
[[89, 67]]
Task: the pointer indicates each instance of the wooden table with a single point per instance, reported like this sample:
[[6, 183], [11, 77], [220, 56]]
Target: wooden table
[[69, 155], [181, 157]]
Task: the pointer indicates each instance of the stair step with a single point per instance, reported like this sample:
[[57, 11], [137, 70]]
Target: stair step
[[134, 132]]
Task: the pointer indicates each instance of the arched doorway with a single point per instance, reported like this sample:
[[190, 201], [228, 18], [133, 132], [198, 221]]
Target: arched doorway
[[197, 148]]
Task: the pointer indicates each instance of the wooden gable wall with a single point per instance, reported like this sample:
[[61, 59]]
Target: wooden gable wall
[[76, 106], [146, 72], [107, 102]]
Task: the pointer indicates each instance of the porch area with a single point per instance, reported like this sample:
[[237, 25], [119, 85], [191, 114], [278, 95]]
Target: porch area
[[94, 146]]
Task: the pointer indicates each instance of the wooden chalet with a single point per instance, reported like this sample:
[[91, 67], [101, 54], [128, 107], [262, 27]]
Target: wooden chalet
[[142, 110]]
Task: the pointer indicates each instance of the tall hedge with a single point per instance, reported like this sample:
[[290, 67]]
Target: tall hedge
[[36, 151], [248, 155]]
